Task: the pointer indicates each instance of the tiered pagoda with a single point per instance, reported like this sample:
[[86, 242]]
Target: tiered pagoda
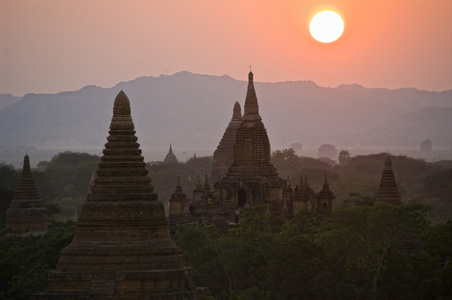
[[26, 214], [170, 156], [408, 242], [122, 247], [325, 199], [223, 157], [251, 179], [388, 191]]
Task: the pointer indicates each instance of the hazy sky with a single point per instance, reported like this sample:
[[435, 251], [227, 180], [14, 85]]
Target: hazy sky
[[47, 46]]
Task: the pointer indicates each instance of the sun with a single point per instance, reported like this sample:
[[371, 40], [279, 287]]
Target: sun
[[326, 26]]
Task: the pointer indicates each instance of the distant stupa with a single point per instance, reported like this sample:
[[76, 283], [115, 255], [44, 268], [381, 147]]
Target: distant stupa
[[170, 157], [388, 191], [26, 213], [122, 247]]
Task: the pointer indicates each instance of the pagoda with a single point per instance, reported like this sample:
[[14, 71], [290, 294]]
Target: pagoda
[[170, 156], [26, 214], [325, 199], [122, 247], [388, 191], [223, 155], [251, 179]]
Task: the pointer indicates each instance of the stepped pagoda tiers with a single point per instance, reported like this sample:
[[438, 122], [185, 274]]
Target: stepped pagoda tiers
[[251, 179], [223, 155], [388, 191], [26, 213], [408, 242], [122, 247], [170, 157], [325, 199]]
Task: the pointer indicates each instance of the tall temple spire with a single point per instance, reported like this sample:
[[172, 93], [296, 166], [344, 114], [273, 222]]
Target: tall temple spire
[[26, 212], [325, 199], [170, 157], [388, 191], [251, 113], [223, 155], [122, 243]]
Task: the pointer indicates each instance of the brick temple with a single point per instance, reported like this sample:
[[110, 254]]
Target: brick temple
[[388, 191], [26, 214], [223, 155], [122, 247]]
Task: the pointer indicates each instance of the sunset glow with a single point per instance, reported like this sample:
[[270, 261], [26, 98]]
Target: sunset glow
[[52, 46], [326, 26]]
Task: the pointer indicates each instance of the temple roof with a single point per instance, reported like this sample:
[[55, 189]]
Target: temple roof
[[326, 193], [251, 113], [26, 194], [388, 191], [26, 213], [170, 157]]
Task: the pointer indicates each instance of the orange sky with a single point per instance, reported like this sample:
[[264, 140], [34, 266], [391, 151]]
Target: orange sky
[[48, 46]]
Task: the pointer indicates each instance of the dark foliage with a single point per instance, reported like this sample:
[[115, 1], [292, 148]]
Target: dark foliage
[[25, 261]]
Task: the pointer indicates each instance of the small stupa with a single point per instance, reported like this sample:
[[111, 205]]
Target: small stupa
[[325, 199], [122, 247], [170, 156], [26, 214], [388, 191]]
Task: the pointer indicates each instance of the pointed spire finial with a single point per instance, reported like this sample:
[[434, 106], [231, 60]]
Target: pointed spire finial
[[326, 180], [251, 108], [121, 105], [237, 111]]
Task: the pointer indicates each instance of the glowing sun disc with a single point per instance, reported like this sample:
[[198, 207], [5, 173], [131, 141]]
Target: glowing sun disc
[[326, 26]]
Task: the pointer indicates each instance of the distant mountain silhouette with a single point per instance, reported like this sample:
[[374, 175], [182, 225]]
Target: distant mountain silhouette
[[7, 100], [191, 111]]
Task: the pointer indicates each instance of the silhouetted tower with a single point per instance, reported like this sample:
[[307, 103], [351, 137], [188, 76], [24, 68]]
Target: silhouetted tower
[[170, 156], [26, 214], [223, 155], [252, 178], [325, 199], [388, 191], [122, 246]]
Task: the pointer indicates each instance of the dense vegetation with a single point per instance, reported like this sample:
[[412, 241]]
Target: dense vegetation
[[354, 254], [26, 261]]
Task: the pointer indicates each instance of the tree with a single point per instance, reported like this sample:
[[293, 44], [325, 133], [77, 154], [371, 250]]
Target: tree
[[426, 145], [360, 242], [25, 263], [286, 162], [296, 146], [328, 151], [344, 157]]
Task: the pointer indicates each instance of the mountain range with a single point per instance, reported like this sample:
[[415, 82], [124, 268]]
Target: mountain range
[[191, 111]]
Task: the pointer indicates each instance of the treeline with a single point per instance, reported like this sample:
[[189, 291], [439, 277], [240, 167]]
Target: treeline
[[361, 174], [357, 253], [26, 261], [63, 182]]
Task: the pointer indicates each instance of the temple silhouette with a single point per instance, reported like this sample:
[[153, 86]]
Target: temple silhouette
[[122, 247], [26, 213], [245, 177]]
